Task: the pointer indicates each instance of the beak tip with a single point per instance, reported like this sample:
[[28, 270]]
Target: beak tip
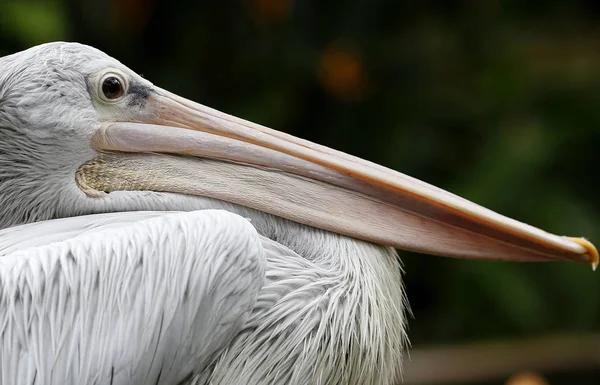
[[591, 251]]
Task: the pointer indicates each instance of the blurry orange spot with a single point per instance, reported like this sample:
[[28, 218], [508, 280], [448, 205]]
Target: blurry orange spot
[[527, 378], [132, 14], [266, 12], [342, 73]]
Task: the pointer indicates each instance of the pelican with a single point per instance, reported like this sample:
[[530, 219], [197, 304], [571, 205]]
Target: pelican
[[148, 239]]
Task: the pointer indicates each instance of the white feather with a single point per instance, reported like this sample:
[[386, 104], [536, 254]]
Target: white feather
[[323, 320], [149, 302]]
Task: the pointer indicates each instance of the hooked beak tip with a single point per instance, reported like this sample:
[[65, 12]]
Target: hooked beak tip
[[591, 251]]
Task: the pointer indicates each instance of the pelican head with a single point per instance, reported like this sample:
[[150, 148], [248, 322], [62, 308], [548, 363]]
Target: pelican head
[[82, 133]]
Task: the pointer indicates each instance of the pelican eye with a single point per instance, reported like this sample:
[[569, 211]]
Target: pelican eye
[[112, 88]]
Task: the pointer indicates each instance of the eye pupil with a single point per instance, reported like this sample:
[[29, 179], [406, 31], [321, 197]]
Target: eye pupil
[[112, 88]]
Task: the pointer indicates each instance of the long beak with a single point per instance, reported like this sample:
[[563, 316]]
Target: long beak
[[234, 160]]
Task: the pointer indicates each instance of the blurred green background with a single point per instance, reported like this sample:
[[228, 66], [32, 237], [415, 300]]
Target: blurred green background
[[497, 101]]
